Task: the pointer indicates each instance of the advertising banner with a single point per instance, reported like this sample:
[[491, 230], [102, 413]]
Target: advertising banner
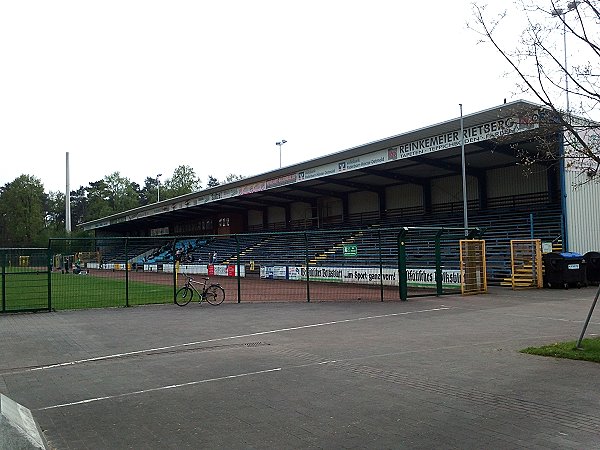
[[477, 133], [221, 270], [367, 275]]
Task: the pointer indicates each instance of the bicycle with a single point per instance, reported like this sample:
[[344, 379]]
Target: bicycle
[[213, 293]]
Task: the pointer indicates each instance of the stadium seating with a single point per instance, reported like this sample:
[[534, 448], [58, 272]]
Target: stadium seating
[[376, 238]]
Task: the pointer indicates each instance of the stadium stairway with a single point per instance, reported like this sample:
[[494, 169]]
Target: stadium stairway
[[336, 249], [522, 277]]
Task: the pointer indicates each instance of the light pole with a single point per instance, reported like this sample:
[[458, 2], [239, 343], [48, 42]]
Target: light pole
[[280, 143], [68, 200], [464, 171], [559, 12], [562, 13], [158, 187]]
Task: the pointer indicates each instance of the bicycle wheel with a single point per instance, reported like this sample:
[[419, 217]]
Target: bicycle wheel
[[215, 294], [183, 296]]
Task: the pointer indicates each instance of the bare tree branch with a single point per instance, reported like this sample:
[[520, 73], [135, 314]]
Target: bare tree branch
[[536, 61]]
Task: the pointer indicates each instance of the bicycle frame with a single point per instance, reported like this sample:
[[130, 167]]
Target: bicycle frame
[[191, 284]]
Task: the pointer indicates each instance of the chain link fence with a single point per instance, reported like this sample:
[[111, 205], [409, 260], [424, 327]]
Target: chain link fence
[[24, 279], [374, 264]]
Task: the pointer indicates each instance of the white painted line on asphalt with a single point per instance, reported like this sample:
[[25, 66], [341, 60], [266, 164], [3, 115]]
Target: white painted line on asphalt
[[241, 336], [161, 388], [557, 319]]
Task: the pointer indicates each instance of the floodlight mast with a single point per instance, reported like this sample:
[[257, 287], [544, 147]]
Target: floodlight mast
[[158, 187], [464, 171], [562, 13], [68, 198], [280, 143]]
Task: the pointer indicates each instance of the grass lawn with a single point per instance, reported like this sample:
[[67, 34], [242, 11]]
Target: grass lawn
[[589, 351], [80, 291]]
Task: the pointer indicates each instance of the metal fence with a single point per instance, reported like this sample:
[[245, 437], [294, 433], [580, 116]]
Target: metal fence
[[24, 279], [374, 264]]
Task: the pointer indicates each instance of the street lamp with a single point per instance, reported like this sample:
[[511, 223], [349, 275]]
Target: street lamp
[[158, 187], [558, 12], [463, 171], [280, 143]]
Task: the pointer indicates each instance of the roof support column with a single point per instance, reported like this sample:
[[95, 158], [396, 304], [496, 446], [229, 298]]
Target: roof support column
[[553, 185], [427, 196], [482, 190], [265, 218], [344, 198], [382, 202], [287, 214]]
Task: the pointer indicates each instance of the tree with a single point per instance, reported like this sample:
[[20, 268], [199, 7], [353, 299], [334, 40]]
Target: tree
[[79, 205], [22, 212], [55, 211], [212, 182], [55, 215], [149, 193], [97, 201], [536, 60], [110, 195], [122, 193], [183, 181], [233, 177]]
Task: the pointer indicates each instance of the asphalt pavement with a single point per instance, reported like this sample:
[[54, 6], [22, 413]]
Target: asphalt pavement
[[439, 372]]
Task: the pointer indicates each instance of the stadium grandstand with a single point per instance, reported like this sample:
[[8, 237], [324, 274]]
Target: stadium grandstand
[[350, 204]]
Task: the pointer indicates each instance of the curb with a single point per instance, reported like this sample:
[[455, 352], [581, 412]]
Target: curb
[[21, 418]]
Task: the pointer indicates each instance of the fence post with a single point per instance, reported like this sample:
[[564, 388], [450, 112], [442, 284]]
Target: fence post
[[3, 261], [531, 226], [380, 263], [438, 262], [239, 286], [175, 270], [50, 262], [126, 274], [402, 278], [307, 272]]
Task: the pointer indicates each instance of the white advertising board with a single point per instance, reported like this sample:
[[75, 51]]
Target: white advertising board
[[416, 277]]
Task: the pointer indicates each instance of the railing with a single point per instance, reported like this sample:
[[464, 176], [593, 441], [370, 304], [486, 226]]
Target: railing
[[511, 201]]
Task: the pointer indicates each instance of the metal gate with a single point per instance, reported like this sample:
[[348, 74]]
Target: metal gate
[[24, 280], [473, 267], [526, 263]]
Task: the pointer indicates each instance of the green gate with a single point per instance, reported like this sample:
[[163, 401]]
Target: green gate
[[24, 280], [429, 260]]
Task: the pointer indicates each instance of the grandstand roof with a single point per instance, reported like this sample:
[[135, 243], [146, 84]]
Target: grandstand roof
[[412, 157]]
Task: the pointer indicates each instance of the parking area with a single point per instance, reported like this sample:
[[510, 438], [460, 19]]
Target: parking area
[[440, 372]]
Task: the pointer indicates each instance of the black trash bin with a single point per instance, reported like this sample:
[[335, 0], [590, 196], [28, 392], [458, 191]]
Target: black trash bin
[[564, 270], [592, 267]]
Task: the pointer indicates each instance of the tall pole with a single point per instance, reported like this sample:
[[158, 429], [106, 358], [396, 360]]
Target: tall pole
[[158, 187], [464, 171], [280, 143], [68, 200], [562, 13], [566, 67]]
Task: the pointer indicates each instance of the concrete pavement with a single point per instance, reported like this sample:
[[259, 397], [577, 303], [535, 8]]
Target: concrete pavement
[[428, 373]]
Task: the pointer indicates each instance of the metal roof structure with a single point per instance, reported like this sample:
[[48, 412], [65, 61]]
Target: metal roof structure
[[414, 157]]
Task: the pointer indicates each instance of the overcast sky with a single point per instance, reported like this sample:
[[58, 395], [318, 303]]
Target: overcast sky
[[140, 87]]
